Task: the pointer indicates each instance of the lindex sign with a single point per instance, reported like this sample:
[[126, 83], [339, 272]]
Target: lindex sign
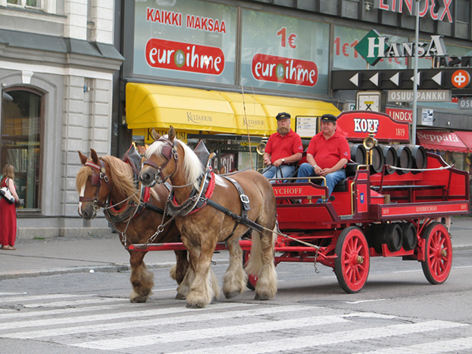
[[428, 79], [374, 47]]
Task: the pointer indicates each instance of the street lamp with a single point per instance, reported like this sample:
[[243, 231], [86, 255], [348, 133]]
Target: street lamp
[[415, 77]]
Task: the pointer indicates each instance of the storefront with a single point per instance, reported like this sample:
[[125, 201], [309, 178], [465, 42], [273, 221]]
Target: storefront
[[222, 73], [455, 147]]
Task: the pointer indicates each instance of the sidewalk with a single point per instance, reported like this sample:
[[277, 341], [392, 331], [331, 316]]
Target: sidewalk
[[106, 254]]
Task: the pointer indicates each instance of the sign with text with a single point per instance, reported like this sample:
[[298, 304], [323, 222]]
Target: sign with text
[[465, 103], [427, 116], [400, 115], [422, 96], [356, 125], [185, 40], [284, 53], [437, 10]]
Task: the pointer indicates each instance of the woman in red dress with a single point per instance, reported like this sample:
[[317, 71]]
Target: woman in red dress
[[8, 211]]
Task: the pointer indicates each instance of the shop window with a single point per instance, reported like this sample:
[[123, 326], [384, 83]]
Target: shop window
[[20, 142]]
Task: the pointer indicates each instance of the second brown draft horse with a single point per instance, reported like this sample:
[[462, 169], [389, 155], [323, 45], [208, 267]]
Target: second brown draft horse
[[197, 193], [107, 181]]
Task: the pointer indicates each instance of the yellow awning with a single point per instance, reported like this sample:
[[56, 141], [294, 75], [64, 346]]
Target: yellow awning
[[157, 106], [254, 114]]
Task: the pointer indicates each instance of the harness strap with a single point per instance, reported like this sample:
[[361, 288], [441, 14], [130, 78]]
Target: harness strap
[[240, 219]]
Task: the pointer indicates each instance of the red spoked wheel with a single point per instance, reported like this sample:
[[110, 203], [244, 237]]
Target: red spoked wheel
[[353, 261], [438, 253], [251, 279]]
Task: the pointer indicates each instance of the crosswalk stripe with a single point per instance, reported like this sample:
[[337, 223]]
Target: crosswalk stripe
[[68, 304], [439, 347], [111, 316], [208, 333], [17, 315], [315, 340], [23, 298], [155, 322]]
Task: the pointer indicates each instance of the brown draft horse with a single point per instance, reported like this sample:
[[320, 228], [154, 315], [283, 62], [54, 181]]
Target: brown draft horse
[[102, 188], [202, 228]]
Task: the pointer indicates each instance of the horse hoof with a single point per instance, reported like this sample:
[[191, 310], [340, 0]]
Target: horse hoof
[[180, 297], [198, 305], [139, 299], [261, 297], [232, 294]]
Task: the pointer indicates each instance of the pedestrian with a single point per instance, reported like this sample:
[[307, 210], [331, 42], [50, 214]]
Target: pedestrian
[[327, 155], [8, 211], [283, 150]]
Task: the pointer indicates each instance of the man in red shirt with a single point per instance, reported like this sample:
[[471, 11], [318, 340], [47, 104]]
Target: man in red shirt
[[327, 154], [284, 149]]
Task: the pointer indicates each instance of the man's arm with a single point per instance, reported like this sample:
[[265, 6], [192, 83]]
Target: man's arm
[[340, 164], [267, 158], [311, 160]]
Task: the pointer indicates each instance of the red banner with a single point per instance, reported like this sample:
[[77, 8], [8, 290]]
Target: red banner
[[181, 56], [284, 70]]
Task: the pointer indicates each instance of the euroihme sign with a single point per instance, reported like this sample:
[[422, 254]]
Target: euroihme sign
[[438, 10]]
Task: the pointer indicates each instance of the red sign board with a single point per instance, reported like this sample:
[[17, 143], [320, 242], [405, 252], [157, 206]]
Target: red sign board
[[400, 115], [436, 140], [181, 56], [284, 70], [356, 126]]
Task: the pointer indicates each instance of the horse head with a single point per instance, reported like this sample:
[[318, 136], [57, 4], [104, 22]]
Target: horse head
[[161, 159], [93, 184]]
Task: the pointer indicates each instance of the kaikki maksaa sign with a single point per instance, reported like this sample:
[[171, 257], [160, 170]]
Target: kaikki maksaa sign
[[374, 47]]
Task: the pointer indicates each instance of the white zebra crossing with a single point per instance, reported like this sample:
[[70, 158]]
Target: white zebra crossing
[[114, 324]]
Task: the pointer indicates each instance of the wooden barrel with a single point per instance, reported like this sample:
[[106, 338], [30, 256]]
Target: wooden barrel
[[403, 158], [377, 160], [357, 153], [419, 159], [390, 157]]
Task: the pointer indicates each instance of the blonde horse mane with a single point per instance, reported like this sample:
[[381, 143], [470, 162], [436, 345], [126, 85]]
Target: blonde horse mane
[[120, 173], [191, 168]]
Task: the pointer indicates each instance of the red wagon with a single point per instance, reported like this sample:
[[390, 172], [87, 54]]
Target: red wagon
[[388, 206]]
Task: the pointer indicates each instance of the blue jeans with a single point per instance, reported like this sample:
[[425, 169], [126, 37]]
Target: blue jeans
[[287, 171], [306, 170]]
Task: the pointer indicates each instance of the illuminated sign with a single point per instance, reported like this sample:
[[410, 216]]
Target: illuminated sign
[[374, 47], [436, 9]]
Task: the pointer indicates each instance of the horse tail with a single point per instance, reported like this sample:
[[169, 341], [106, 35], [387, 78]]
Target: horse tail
[[254, 264]]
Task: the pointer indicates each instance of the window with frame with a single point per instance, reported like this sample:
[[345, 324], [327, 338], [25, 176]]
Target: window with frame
[[25, 3], [20, 144], [463, 10]]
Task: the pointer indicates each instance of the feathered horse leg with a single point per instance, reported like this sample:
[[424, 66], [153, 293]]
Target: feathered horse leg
[[235, 278], [141, 279]]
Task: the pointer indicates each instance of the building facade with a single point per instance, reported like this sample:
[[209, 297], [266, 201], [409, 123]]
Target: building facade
[[281, 55], [57, 60]]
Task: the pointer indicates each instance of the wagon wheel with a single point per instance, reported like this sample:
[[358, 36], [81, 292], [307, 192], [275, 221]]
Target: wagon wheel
[[438, 253], [251, 279], [353, 261]]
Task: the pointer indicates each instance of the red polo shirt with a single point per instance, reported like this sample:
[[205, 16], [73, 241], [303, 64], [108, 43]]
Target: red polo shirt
[[327, 153], [280, 146]]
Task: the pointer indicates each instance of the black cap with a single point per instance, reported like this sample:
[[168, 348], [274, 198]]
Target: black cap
[[282, 115], [328, 118]]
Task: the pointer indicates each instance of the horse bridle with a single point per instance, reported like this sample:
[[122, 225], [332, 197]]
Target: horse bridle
[[99, 174], [169, 152]]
